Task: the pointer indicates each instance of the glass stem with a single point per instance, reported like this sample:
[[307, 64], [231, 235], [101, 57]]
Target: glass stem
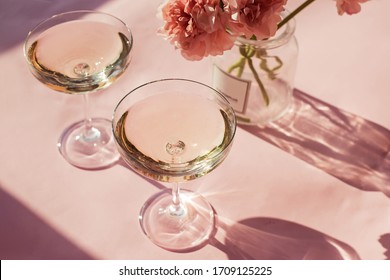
[[176, 208], [89, 133]]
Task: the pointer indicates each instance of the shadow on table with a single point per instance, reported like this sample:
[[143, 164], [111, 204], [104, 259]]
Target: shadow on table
[[18, 17], [25, 236], [264, 238], [349, 147], [274, 239]]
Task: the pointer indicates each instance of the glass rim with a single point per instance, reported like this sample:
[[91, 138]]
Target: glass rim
[[74, 12], [173, 79], [217, 93]]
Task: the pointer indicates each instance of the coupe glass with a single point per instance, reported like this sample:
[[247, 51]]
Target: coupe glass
[[80, 52], [175, 130]]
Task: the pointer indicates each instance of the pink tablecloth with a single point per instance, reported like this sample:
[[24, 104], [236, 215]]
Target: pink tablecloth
[[315, 184]]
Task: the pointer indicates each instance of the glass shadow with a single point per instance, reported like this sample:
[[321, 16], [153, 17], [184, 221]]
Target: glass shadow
[[263, 238]]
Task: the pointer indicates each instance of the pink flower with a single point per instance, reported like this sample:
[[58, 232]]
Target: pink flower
[[199, 28], [349, 6], [254, 17], [196, 27]]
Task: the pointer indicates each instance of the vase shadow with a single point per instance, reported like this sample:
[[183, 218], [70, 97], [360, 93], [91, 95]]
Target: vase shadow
[[347, 146], [263, 238]]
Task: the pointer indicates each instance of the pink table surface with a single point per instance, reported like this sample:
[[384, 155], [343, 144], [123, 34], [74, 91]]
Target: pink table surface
[[313, 185]]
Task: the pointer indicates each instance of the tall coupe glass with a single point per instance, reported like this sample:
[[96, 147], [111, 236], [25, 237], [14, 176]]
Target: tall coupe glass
[[80, 52], [175, 130]]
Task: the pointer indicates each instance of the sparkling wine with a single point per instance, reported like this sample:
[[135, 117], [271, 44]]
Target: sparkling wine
[[174, 136], [79, 56]]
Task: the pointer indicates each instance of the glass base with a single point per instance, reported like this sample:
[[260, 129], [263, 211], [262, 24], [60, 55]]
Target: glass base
[[93, 150], [178, 231]]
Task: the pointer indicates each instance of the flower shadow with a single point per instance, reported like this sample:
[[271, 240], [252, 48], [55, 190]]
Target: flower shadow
[[263, 238], [347, 146]]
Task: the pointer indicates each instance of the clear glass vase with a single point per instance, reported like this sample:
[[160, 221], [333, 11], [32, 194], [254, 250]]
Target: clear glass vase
[[257, 76]]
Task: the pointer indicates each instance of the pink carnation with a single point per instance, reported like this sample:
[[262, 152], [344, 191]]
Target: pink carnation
[[196, 27], [254, 17], [199, 28], [349, 6]]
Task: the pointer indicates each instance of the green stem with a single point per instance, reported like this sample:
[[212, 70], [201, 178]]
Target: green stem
[[240, 65], [248, 52], [242, 119], [257, 78], [295, 12], [264, 64]]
